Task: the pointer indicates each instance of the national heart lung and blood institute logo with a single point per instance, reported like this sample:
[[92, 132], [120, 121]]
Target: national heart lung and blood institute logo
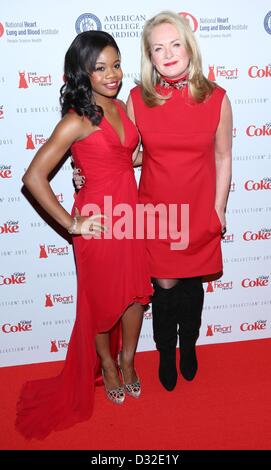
[[193, 22], [87, 22], [1, 30]]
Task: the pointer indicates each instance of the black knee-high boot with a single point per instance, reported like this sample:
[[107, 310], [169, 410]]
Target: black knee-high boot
[[164, 312], [192, 297]]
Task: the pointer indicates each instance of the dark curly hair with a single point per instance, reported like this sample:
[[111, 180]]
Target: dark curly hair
[[80, 61]]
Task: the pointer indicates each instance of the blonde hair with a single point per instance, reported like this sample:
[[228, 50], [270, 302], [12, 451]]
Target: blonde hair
[[199, 86]]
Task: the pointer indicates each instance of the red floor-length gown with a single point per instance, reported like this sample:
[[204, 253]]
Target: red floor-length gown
[[112, 273], [179, 167]]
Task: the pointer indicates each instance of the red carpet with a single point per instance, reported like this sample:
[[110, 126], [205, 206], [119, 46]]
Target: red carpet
[[227, 406]]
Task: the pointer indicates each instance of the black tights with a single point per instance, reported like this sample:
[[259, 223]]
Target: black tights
[[169, 283], [166, 283]]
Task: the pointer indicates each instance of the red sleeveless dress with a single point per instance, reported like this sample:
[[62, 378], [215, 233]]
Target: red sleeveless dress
[[178, 141], [112, 273]]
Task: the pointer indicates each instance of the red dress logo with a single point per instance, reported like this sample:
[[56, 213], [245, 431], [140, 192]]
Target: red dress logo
[[29, 142], [210, 287], [54, 347], [48, 301], [22, 80], [43, 253], [211, 74], [209, 331]]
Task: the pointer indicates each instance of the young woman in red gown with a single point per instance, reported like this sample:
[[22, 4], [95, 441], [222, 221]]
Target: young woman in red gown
[[185, 123], [113, 282]]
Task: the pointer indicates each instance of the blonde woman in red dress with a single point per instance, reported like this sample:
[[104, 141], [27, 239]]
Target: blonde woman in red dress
[[185, 123]]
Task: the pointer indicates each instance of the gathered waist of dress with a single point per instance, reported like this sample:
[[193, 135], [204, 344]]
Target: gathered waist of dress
[[106, 169], [101, 183]]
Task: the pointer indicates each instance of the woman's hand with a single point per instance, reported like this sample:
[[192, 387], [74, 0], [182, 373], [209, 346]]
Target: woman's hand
[[87, 225], [79, 180], [222, 218]]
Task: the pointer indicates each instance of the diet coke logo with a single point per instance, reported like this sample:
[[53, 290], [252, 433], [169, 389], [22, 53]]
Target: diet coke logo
[[259, 72], [263, 131], [261, 281], [9, 227], [5, 171], [262, 185], [13, 279], [263, 234], [256, 326], [21, 327], [52, 299]]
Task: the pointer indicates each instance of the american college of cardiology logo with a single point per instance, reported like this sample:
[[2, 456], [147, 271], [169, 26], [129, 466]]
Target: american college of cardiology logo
[[267, 22], [86, 22]]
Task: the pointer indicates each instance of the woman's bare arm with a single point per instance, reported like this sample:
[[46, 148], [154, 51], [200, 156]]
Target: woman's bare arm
[[223, 159], [69, 129], [137, 155]]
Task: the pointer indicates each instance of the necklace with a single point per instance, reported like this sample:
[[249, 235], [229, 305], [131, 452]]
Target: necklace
[[178, 84]]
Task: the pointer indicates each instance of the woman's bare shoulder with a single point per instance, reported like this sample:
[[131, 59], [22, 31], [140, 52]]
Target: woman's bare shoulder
[[123, 105]]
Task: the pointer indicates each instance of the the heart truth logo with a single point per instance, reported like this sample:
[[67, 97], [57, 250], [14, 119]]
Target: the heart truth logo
[[27, 79]]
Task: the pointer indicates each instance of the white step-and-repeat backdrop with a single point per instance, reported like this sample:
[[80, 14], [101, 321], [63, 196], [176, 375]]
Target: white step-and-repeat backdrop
[[37, 271]]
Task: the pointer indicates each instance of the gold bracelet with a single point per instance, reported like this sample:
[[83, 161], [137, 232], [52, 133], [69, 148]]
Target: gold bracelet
[[73, 226]]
